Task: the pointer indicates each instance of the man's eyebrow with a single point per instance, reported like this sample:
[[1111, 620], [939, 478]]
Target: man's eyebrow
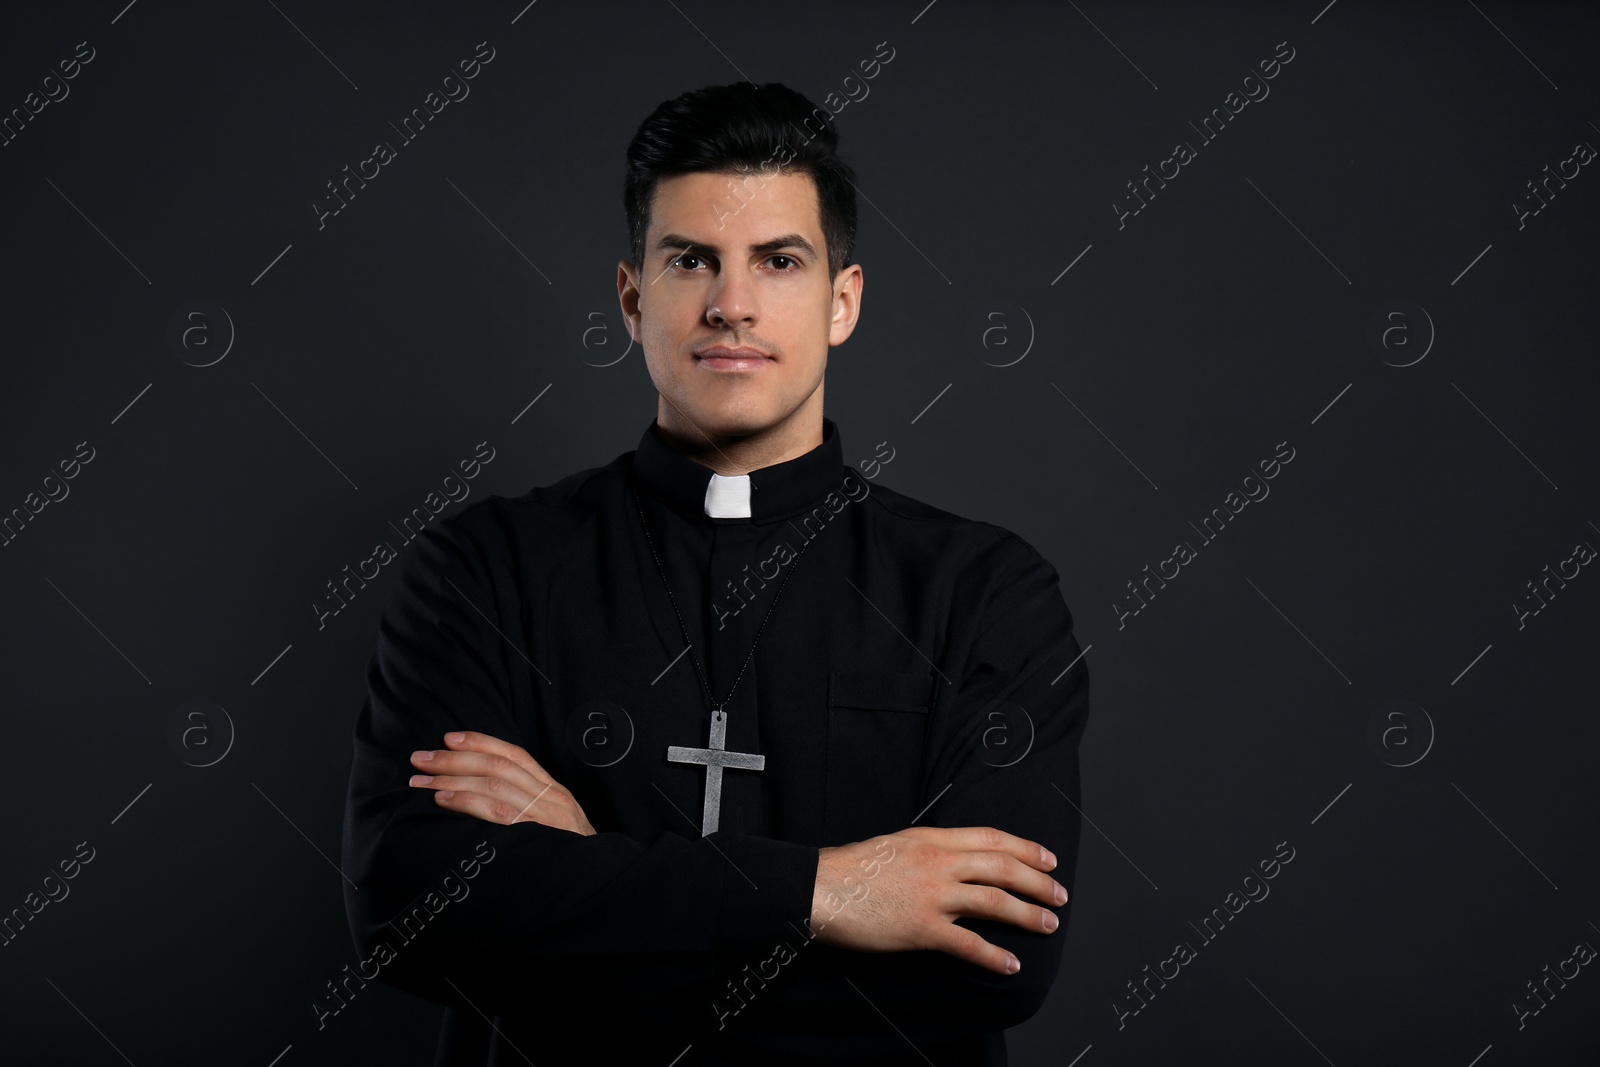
[[788, 240]]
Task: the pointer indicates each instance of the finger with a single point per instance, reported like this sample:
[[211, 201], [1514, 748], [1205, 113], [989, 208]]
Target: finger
[[519, 801], [474, 741], [1008, 872], [964, 944], [495, 811], [443, 761], [472, 752], [989, 839], [491, 800], [992, 902]]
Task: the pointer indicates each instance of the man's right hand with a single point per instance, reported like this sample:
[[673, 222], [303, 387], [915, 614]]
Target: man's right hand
[[904, 890]]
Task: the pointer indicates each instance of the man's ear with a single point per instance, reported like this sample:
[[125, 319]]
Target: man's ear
[[628, 296], [846, 304]]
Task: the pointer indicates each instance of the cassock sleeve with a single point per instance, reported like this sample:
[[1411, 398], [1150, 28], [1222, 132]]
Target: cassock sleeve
[[535, 905], [1013, 686]]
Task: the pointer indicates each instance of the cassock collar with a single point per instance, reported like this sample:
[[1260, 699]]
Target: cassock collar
[[775, 492]]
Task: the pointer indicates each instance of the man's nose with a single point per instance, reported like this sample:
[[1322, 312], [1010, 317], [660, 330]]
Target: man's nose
[[733, 301]]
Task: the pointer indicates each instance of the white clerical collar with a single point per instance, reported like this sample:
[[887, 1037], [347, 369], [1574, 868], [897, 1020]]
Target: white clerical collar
[[728, 497]]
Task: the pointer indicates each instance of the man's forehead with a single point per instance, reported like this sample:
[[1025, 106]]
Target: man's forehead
[[707, 207]]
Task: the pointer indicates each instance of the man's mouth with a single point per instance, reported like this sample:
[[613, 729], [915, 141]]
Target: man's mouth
[[723, 358]]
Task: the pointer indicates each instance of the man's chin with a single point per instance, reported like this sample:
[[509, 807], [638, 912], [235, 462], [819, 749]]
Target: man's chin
[[733, 422]]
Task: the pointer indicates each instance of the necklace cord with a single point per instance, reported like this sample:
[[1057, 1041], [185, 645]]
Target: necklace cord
[[689, 645]]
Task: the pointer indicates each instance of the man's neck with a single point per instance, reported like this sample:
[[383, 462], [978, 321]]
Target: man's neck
[[731, 455]]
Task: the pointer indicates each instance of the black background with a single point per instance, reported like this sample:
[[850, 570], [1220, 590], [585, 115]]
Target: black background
[[477, 273]]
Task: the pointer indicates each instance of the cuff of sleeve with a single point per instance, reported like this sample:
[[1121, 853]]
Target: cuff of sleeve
[[766, 886]]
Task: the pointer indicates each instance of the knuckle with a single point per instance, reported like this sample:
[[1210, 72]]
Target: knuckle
[[946, 939], [557, 807], [967, 944]]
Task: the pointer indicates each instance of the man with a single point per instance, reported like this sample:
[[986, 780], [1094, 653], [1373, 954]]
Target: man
[[722, 752]]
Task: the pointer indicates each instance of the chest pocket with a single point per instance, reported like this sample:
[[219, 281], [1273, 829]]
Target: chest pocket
[[877, 727]]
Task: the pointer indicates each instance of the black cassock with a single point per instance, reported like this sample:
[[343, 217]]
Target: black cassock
[[916, 668]]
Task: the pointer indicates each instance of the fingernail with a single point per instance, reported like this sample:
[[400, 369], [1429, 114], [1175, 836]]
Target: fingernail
[[422, 755], [1049, 857], [1012, 964], [421, 779], [445, 794], [1061, 893], [1050, 920], [455, 738]]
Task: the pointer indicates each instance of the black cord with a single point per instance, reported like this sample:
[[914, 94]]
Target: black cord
[[690, 644]]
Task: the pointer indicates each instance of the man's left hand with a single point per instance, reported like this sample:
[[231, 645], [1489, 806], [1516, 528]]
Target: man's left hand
[[496, 781]]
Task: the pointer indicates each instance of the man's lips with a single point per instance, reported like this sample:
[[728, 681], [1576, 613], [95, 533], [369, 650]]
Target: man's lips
[[720, 357]]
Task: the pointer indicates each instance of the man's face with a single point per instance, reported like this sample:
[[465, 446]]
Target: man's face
[[723, 273]]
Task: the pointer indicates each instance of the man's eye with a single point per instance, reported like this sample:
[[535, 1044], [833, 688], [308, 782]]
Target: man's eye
[[685, 256], [789, 259]]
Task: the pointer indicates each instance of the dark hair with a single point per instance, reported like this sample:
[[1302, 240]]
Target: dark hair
[[739, 128]]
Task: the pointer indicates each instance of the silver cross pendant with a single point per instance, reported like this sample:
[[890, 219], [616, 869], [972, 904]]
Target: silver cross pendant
[[715, 757]]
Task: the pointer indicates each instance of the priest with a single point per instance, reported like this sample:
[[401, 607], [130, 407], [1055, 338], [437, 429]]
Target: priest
[[730, 753]]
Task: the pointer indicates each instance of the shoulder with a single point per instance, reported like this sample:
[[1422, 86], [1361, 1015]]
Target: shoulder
[[990, 572], [1002, 588], [973, 541], [488, 530]]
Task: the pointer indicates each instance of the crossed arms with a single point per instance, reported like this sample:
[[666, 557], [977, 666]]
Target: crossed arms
[[925, 920]]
